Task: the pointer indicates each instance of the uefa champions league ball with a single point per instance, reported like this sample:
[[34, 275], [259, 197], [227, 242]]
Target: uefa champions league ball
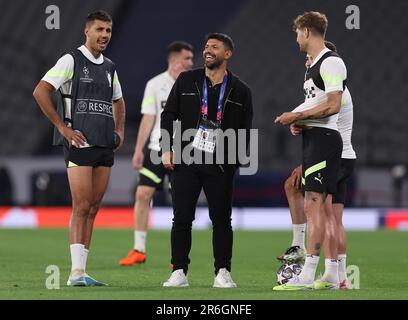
[[287, 271]]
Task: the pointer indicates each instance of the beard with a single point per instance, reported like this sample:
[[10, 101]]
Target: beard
[[303, 48], [214, 64]]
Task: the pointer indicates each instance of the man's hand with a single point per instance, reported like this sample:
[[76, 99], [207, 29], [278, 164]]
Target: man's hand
[[73, 137], [297, 177], [167, 159], [287, 118], [137, 160], [295, 130], [121, 135]]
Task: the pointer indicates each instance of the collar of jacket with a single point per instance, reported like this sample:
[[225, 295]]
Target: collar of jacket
[[199, 78]]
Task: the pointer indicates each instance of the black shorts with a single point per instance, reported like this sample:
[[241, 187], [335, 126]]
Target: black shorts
[[151, 174], [322, 150], [346, 170], [88, 157]]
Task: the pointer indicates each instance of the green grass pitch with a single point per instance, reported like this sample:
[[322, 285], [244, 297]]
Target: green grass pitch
[[381, 256]]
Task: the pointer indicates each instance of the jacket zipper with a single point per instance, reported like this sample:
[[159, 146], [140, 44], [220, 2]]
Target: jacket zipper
[[199, 104], [222, 117], [225, 103]]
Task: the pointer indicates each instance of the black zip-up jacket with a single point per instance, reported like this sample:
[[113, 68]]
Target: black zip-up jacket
[[184, 104]]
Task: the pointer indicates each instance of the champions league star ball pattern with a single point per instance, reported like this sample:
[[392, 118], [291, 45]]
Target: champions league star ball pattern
[[287, 271]]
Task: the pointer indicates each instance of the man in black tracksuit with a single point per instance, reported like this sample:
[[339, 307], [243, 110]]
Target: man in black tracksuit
[[205, 99]]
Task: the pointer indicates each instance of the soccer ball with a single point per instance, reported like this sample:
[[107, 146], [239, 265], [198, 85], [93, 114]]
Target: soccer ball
[[287, 271]]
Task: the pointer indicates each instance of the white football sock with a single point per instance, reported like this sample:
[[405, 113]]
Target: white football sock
[[86, 252], [309, 269], [140, 241], [331, 273], [342, 267], [77, 256], [298, 235]]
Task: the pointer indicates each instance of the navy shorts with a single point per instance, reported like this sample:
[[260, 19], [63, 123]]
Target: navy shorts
[[88, 157]]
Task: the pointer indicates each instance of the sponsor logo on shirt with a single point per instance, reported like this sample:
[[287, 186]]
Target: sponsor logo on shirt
[[94, 107], [85, 77]]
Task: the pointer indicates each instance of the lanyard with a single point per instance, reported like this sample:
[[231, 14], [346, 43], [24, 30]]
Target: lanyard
[[204, 100]]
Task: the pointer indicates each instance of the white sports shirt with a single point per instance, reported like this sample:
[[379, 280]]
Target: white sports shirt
[[155, 96], [333, 72]]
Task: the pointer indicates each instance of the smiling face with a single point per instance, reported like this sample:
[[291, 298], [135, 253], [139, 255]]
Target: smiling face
[[215, 54], [98, 34]]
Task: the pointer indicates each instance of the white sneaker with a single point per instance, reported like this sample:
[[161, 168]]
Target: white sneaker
[[177, 279], [224, 280]]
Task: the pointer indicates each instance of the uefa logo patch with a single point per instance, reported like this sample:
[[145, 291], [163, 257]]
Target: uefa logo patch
[[86, 71], [81, 106]]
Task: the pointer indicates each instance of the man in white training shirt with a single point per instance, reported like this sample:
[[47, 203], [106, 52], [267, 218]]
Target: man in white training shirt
[[324, 84], [180, 59], [89, 123], [294, 192]]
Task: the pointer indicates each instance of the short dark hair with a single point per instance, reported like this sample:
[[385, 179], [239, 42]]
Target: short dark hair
[[98, 15], [313, 20], [225, 39], [330, 45], [178, 46]]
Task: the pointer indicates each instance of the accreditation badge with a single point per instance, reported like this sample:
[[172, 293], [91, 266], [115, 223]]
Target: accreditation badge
[[206, 136]]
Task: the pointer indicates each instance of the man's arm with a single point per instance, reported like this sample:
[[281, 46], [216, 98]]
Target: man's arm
[[327, 108], [143, 134], [42, 94], [168, 116], [119, 116]]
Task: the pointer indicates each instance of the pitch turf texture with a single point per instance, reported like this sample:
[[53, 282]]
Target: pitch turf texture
[[381, 256]]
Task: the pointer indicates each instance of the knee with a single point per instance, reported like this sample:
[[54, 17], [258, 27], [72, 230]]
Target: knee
[[82, 208], [312, 206], [308, 208], [182, 225], [143, 195], [221, 222], [93, 210], [289, 188]]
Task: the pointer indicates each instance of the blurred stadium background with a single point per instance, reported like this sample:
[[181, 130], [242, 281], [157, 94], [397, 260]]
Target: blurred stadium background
[[32, 173]]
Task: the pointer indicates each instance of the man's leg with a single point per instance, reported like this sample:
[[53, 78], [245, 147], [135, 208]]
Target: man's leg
[[144, 195], [186, 187], [330, 243], [313, 208], [342, 244], [315, 214], [100, 180], [294, 196], [80, 182], [295, 201], [218, 190]]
